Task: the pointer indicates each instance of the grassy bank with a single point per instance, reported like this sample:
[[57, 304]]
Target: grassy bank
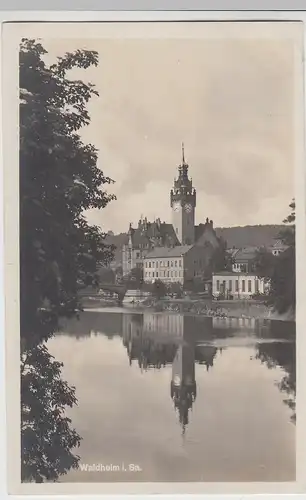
[[204, 307], [208, 307]]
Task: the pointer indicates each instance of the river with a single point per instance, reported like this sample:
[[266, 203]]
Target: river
[[167, 397]]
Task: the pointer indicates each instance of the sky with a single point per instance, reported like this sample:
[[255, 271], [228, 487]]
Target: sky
[[231, 101]]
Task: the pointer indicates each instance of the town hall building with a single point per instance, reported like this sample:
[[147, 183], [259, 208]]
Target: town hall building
[[155, 244]]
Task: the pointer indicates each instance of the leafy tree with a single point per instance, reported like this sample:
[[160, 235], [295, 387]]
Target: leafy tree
[[135, 277], [176, 289], [59, 250], [106, 275], [159, 289], [220, 260], [279, 270]]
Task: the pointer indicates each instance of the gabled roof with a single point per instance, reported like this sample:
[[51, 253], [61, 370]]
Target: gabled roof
[[205, 232], [279, 245], [160, 252], [152, 232], [245, 254], [232, 251]]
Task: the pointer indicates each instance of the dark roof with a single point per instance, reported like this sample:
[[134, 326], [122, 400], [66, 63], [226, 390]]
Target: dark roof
[[279, 245], [199, 230], [207, 229], [154, 232], [245, 254], [160, 252]]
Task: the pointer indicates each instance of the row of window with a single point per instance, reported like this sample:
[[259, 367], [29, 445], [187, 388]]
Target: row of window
[[228, 286], [164, 274], [172, 263], [240, 267]]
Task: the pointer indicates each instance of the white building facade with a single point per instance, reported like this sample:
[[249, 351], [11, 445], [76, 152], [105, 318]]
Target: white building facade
[[180, 264], [237, 285]]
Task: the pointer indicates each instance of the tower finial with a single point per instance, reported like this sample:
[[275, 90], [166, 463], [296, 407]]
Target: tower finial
[[183, 154]]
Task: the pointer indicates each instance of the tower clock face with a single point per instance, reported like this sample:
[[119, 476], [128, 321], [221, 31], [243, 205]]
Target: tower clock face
[[176, 207], [188, 207]]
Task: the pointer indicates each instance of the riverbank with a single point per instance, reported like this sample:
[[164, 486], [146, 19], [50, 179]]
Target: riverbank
[[203, 307], [223, 309]]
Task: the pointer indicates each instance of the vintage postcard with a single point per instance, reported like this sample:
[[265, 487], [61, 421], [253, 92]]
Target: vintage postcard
[[154, 243]]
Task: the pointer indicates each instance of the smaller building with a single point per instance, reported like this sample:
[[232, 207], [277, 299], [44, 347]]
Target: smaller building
[[278, 248], [243, 259], [143, 239], [179, 264], [237, 285]]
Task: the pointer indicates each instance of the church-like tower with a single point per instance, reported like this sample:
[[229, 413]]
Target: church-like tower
[[183, 203], [183, 384]]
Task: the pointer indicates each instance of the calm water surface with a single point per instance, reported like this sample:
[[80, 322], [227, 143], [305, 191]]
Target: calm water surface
[[180, 398]]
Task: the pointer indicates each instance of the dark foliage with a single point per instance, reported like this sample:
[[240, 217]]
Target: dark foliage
[[59, 250], [159, 289], [221, 260], [279, 270], [283, 355], [134, 279]]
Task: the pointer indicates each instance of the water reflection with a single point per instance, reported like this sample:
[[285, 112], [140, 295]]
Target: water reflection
[[169, 386], [157, 340], [283, 355], [183, 383]]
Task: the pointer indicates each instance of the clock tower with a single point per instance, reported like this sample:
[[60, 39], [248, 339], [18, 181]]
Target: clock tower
[[183, 203]]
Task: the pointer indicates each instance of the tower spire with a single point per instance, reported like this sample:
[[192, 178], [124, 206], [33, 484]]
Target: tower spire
[[183, 154]]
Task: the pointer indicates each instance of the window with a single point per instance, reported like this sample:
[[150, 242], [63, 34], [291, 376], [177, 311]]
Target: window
[[236, 286], [249, 286], [153, 274], [168, 263], [160, 263], [175, 263], [175, 273], [256, 286], [224, 285], [149, 264], [243, 285], [157, 263], [218, 285], [172, 263], [230, 285], [168, 274], [180, 263], [137, 255], [156, 274]]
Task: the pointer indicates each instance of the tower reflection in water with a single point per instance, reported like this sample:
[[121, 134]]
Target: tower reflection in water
[[157, 340]]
